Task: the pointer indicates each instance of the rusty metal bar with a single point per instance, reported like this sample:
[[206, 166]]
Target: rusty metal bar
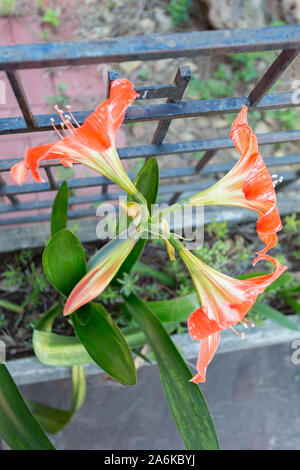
[[149, 47], [181, 81], [20, 95], [12, 58], [266, 82]]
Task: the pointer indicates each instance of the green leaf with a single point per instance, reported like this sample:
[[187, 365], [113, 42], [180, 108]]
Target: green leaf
[[18, 427], [170, 311], [249, 276], [292, 302], [282, 280], [274, 315], [104, 342], [59, 212], [64, 261], [65, 351], [146, 181], [135, 337], [175, 310], [52, 419], [11, 306], [53, 350], [57, 350], [294, 288], [161, 276], [185, 399]]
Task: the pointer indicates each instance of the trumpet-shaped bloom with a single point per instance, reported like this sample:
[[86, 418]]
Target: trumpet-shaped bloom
[[92, 144], [105, 264], [248, 184], [224, 302]]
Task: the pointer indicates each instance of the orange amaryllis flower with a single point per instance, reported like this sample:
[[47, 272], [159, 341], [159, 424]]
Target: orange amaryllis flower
[[248, 184], [103, 267], [92, 144], [224, 302]]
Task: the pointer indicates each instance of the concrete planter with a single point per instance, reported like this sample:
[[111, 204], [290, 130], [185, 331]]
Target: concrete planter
[[252, 389], [30, 370]]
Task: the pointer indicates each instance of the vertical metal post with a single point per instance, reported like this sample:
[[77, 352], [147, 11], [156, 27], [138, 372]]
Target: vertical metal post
[[181, 81]]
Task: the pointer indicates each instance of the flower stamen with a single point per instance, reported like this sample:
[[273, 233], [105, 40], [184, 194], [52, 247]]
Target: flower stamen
[[276, 181], [55, 128], [241, 335], [62, 125], [249, 323], [72, 115]]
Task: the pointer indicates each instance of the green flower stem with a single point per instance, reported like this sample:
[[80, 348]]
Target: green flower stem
[[169, 236], [169, 210], [176, 243]]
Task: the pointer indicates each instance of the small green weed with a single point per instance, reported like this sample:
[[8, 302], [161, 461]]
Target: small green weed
[[61, 99], [128, 284], [7, 7], [179, 10], [52, 17], [291, 224], [217, 229]]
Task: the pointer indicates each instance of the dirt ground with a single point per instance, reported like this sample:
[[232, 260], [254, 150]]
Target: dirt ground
[[22, 280]]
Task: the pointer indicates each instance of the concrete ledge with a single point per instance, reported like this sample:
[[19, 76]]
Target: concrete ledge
[[30, 370], [35, 236]]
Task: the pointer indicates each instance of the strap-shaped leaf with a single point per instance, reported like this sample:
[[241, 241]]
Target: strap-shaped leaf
[[282, 280], [101, 341], [161, 276], [179, 309], [59, 350], [66, 351], [294, 288], [59, 212], [292, 302], [274, 315], [176, 310], [64, 261], [18, 427], [52, 419], [185, 399], [11, 306], [104, 342]]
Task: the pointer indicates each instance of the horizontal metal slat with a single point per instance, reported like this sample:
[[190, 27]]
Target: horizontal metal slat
[[184, 109], [150, 47]]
